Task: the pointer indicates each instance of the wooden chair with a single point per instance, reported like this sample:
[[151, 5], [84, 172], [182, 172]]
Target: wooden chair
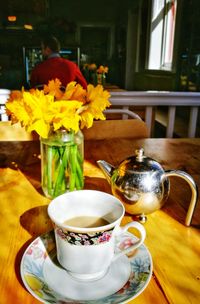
[[128, 128], [15, 132]]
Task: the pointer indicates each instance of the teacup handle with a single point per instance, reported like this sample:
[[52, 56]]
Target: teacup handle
[[122, 230]]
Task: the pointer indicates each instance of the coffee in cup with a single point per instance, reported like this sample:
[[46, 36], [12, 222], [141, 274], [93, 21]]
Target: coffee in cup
[[85, 221]]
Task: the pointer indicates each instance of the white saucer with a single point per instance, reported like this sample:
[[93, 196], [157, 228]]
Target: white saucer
[[47, 281]]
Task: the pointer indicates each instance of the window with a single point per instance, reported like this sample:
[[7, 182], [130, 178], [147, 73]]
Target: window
[[162, 34]]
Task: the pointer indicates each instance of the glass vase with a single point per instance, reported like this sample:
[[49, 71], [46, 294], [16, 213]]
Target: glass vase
[[62, 155]]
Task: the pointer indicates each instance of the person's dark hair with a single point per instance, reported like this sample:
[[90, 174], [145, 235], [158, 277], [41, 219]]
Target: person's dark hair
[[51, 42]]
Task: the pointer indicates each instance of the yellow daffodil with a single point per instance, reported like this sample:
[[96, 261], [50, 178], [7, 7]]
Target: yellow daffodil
[[53, 88], [72, 109], [65, 115], [97, 101], [75, 91], [18, 112]]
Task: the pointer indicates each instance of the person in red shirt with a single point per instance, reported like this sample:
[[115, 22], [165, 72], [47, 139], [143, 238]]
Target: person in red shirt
[[54, 66]]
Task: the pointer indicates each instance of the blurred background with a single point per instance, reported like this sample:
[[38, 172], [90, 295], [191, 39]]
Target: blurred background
[[146, 44]]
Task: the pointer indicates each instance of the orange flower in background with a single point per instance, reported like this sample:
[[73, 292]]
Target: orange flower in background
[[102, 69], [92, 67], [105, 69]]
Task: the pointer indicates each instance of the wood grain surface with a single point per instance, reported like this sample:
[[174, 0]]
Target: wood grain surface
[[175, 248]]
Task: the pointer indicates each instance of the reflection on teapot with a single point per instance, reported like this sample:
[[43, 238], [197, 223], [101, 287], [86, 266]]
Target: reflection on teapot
[[143, 185]]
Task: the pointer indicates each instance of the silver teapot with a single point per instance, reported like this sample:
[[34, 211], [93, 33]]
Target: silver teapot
[[143, 186]]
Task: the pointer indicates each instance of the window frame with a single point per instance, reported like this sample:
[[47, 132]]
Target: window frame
[[163, 67]]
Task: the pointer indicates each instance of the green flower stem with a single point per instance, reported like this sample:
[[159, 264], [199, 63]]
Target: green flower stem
[[60, 180], [78, 183], [73, 161], [79, 170], [79, 157], [50, 157], [62, 167], [69, 159]]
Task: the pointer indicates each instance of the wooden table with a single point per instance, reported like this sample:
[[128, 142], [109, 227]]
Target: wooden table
[[175, 248]]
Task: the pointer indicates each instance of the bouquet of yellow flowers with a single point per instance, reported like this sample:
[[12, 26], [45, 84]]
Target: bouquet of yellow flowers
[[58, 116], [73, 109]]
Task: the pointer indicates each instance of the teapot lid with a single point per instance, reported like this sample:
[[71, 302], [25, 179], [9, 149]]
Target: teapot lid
[[140, 163]]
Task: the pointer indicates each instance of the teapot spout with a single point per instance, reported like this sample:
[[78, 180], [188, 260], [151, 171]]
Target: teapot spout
[[106, 168]]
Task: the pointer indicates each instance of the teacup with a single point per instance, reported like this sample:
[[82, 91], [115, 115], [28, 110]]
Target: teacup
[[86, 227]]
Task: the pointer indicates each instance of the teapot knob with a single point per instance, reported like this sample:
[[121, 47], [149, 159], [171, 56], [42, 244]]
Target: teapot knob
[[139, 154]]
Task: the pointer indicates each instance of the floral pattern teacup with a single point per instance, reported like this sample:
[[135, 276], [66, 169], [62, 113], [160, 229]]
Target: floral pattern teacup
[[87, 252]]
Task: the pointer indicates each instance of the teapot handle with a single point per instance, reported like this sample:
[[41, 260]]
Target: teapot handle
[[188, 178]]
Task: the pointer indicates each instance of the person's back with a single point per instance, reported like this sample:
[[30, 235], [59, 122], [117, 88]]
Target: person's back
[[55, 67]]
